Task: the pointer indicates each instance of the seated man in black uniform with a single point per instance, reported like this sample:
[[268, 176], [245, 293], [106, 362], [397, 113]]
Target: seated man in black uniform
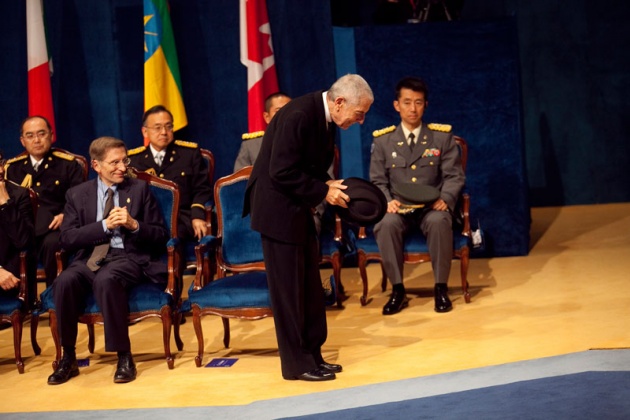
[[50, 174]]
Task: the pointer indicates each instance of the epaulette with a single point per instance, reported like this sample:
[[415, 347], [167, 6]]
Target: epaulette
[[189, 144], [16, 159], [254, 135], [378, 133], [63, 155], [440, 127], [136, 150]]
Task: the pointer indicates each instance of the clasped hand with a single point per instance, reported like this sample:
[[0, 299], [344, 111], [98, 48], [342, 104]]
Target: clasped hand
[[120, 217], [335, 195]]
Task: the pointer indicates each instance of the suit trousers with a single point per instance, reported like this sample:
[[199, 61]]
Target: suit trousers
[[110, 285], [47, 246], [297, 300], [437, 227]]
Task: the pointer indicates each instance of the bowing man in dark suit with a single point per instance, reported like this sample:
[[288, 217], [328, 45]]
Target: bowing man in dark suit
[[289, 178], [133, 234], [16, 230]]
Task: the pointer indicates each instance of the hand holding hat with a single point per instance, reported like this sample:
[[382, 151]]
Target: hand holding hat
[[367, 204]]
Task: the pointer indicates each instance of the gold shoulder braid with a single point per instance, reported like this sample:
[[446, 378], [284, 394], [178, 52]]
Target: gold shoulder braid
[[16, 159], [446, 128], [63, 155], [378, 133], [189, 144], [254, 135], [136, 150]]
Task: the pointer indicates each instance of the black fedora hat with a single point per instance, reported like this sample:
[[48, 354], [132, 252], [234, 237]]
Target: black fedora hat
[[367, 203]]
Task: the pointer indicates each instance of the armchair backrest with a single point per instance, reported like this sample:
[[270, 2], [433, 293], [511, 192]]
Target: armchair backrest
[[82, 160], [240, 247], [166, 193], [463, 150], [209, 158]]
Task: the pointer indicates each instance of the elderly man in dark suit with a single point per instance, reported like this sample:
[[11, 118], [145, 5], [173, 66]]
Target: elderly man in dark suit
[[420, 154], [289, 178], [114, 226], [16, 230]]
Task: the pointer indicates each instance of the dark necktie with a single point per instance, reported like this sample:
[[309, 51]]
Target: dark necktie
[[411, 142], [100, 251]]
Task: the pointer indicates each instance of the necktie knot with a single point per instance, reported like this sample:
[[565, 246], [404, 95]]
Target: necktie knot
[[158, 158]]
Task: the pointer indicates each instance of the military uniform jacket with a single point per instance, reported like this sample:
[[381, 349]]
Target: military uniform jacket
[[184, 165], [435, 161], [16, 227], [248, 153], [57, 174]]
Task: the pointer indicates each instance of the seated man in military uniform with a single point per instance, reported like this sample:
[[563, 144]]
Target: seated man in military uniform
[[178, 161], [50, 173], [426, 155]]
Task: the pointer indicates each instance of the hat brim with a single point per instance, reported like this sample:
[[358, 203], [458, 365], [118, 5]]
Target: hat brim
[[367, 203]]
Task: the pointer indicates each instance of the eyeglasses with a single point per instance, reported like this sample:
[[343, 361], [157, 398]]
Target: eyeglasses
[[125, 162], [159, 128], [40, 134]]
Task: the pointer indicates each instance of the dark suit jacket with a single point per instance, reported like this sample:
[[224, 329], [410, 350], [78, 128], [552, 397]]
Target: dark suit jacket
[[16, 227], [80, 231], [289, 176]]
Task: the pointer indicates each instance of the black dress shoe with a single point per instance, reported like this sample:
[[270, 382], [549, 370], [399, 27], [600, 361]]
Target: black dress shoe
[[397, 302], [67, 368], [442, 302], [126, 370], [330, 367], [315, 375]]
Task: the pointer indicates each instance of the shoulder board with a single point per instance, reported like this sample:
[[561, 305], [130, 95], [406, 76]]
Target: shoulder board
[[189, 144], [254, 135], [378, 133], [136, 150], [440, 127], [63, 155], [16, 159]]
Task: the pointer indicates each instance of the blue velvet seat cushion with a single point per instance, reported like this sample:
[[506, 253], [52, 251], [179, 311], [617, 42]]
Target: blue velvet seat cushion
[[144, 297], [327, 243], [414, 242], [247, 290], [8, 304]]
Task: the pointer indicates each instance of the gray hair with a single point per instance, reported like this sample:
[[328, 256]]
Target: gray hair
[[352, 87], [100, 146]]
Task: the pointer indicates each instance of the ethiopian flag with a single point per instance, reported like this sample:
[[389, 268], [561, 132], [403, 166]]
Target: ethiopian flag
[[162, 84]]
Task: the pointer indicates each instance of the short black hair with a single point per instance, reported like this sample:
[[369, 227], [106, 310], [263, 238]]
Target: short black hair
[[414, 83], [155, 110], [32, 117], [273, 96]]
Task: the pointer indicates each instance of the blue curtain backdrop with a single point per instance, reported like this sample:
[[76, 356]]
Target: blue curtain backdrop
[[575, 85]]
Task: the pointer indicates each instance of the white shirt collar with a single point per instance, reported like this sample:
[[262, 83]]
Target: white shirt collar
[[326, 110], [33, 161], [416, 132], [155, 153]]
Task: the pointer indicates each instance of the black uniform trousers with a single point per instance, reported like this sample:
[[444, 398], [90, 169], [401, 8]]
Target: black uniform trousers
[[297, 300], [110, 284]]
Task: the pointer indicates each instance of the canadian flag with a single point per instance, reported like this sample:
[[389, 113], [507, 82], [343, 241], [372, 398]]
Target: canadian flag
[[39, 69], [257, 56]]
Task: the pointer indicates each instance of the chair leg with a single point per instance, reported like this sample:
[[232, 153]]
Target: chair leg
[[336, 263], [362, 260], [52, 319], [177, 318], [17, 318], [90, 328], [167, 317], [34, 324], [226, 332], [465, 259], [199, 333]]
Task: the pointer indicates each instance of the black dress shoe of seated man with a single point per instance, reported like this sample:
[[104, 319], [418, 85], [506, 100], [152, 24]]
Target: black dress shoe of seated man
[[442, 302], [126, 370], [397, 302], [67, 368], [316, 375], [330, 367]]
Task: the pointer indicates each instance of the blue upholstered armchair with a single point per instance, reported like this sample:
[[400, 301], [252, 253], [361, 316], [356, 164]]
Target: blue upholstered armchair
[[15, 308], [147, 299], [415, 244], [240, 289]]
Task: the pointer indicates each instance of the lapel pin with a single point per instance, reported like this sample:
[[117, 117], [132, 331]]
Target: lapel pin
[[128, 200]]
